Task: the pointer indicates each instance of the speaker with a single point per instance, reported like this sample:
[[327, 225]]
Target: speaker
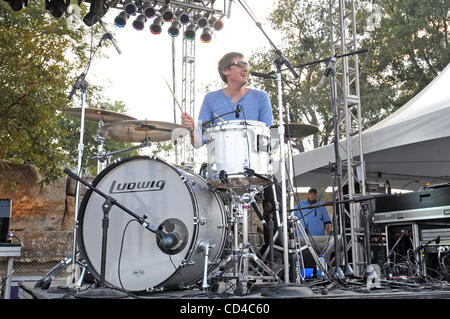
[[5, 219]]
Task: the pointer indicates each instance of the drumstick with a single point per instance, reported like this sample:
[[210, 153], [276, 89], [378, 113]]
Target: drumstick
[[174, 96], [219, 117]]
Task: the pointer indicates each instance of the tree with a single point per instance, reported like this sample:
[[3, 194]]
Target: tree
[[407, 49], [39, 59]]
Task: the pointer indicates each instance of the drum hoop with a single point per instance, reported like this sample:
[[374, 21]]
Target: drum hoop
[[89, 192], [237, 123]]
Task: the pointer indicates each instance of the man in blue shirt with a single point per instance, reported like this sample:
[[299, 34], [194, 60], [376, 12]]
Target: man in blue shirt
[[316, 220], [233, 102]]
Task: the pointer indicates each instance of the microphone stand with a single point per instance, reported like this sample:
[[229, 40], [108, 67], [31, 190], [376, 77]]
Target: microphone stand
[[106, 207], [279, 62], [83, 84]]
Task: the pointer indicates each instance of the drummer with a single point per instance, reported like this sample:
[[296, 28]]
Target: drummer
[[235, 101]]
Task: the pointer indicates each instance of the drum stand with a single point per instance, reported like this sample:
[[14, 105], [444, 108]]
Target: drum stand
[[101, 156], [238, 261]]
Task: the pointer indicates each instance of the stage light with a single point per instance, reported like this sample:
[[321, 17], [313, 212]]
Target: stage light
[[189, 33], [166, 14], [183, 17], [17, 5], [121, 19], [130, 7], [156, 26], [174, 29], [206, 35], [149, 10], [216, 24], [201, 21], [139, 23], [56, 7], [96, 11]]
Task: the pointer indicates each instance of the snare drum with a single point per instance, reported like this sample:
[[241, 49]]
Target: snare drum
[[235, 145]]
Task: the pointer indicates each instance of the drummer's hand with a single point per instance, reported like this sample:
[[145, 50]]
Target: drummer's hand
[[187, 121]]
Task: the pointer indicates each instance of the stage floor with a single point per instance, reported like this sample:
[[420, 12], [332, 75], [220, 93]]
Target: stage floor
[[313, 290]]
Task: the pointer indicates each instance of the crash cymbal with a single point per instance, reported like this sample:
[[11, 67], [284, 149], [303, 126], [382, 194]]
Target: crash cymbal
[[98, 115], [294, 130], [140, 130]]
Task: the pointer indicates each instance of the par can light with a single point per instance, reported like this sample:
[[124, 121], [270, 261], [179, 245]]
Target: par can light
[[139, 23], [189, 33], [174, 29], [121, 19], [156, 26]]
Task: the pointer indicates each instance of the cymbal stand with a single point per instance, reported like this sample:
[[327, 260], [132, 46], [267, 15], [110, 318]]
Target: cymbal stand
[[83, 84], [99, 139], [296, 222], [102, 156], [238, 261]]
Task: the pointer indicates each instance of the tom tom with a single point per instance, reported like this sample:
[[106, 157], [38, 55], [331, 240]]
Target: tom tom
[[233, 146]]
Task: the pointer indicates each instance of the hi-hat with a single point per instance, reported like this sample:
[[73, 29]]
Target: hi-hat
[[138, 131], [294, 130], [99, 115]]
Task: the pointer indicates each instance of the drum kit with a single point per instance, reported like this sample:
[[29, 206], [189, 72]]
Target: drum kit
[[200, 235]]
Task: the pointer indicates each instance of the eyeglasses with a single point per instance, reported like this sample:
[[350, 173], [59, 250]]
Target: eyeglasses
[[240, 64]]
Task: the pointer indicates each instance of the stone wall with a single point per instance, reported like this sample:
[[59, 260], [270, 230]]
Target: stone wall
[[42, 217]]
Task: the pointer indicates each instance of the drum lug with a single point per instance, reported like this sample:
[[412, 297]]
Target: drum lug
[[184, 262], [201, 221], [183, 178]]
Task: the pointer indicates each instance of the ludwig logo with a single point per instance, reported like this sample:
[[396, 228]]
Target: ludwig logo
[[133, 187]]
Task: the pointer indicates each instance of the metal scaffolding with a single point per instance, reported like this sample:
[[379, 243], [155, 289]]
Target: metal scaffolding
[[188, 97], [344, 40]]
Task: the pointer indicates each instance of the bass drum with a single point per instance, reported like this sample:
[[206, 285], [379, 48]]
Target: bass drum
[[173, 200]]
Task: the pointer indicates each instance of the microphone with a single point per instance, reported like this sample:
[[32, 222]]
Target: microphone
[[110, 37], [168, 240], [77, 85], [258, 212], [437, 240], [238, 110], [330, 66], [229, 8], [262, 75]]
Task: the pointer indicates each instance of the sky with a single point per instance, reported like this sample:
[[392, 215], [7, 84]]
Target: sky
[[138, 76]]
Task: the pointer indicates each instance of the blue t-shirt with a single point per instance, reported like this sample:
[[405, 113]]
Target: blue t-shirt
[[254, 106], [314, 218]]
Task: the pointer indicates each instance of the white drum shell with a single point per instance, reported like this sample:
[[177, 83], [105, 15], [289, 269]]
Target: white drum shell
[[233, 146], [184, 196]]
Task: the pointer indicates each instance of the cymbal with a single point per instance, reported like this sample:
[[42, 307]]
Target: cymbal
[[294, 130], [98, 115], [139, 130]]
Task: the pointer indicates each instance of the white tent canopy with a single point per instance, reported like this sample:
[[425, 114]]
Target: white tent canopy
[[408, 148]]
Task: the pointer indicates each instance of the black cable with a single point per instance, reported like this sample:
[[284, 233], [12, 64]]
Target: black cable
[[121, 249]]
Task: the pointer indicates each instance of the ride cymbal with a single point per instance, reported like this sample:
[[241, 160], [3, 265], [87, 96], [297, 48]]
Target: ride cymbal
[[94, 114], [294, 130]]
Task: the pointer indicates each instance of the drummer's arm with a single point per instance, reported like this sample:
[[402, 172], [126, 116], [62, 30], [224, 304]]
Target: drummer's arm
[[196, 139]]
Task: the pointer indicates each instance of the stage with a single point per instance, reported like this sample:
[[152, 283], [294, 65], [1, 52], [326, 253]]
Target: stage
[[315, 289]]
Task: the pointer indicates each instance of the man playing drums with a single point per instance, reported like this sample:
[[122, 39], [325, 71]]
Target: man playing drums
[[232, 102]]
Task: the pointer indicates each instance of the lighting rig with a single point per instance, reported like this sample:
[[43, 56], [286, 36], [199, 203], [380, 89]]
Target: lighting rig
[[182, 17], [186, 17]]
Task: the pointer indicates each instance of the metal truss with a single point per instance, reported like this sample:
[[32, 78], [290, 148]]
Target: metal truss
[[344, 40]]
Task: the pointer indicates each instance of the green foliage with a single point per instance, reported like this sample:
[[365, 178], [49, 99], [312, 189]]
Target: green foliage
[[40, 58], [406, 51]]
